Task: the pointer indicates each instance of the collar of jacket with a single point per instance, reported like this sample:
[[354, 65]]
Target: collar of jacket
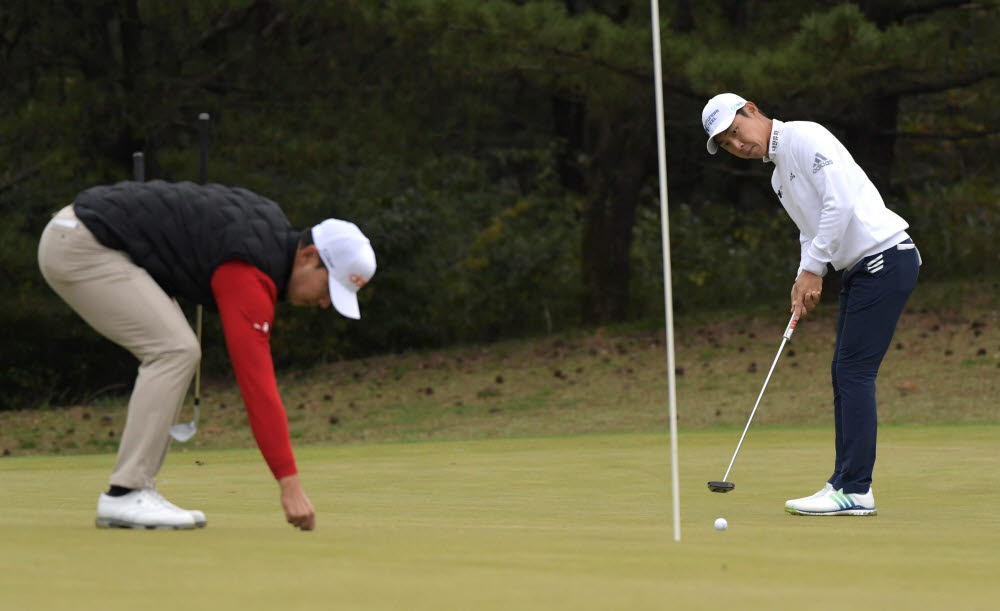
[[774, 142]]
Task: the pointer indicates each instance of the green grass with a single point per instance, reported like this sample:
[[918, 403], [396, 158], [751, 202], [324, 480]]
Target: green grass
[[533, 474], [579, 522], [944, 366]]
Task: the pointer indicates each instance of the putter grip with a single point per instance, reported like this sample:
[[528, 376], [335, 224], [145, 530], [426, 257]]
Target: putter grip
[[791, 326]]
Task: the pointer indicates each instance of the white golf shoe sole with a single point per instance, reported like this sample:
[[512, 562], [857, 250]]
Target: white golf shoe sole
[[840, 512], [113, 523]]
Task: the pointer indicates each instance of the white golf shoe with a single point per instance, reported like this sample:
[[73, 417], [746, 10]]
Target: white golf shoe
[[830, 502], [196, 515], [827, 488], [199, 518], [144, 508]]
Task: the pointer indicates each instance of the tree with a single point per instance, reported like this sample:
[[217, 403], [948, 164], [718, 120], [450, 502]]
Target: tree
[[499, 152]]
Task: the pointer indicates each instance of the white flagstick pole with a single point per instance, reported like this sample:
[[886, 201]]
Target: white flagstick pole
[[668, 293]]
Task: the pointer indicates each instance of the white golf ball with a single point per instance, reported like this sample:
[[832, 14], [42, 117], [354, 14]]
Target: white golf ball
[[721, 524]]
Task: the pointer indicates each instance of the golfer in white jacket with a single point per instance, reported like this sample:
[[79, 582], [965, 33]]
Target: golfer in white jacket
[[842, 223]]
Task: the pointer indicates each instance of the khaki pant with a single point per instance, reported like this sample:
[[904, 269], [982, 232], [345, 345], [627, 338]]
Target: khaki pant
[[124, 304]]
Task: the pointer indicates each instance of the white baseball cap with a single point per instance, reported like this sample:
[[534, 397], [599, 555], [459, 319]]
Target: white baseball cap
[[718, 115], [349, 260]]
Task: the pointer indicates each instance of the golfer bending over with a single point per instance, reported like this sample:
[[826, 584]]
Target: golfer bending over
[[843, 222], [119, 254]]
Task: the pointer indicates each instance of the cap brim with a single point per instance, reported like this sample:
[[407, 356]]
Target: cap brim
[[712, 145], [344, 301]]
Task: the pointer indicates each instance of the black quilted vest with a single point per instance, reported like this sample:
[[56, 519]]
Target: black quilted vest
[[181, 232]]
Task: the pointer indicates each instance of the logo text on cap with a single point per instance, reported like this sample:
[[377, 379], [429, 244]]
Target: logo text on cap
[[710, 120], [357, 280]]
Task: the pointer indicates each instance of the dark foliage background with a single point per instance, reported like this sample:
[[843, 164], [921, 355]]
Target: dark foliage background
[[500, 154]]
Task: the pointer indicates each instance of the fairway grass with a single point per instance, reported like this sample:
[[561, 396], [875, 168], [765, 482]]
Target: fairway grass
[[581, 522]]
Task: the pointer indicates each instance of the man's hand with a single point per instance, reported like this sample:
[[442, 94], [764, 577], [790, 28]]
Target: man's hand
[[806, 292], [298, 510]]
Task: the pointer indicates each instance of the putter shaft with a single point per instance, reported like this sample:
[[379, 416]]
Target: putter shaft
[[787, 336]]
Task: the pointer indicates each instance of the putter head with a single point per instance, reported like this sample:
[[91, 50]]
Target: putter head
[[720, 486]]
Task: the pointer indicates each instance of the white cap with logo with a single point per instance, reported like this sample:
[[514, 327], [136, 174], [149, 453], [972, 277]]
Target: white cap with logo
[[718, 115], [349, 260]]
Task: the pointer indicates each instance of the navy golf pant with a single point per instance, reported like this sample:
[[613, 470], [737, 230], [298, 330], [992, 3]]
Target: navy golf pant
[[874, 293]]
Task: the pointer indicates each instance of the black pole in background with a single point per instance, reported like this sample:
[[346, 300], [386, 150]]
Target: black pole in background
[[138, 169], [203, 119]]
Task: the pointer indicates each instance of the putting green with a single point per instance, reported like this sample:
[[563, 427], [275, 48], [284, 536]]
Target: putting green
[[555, 523]]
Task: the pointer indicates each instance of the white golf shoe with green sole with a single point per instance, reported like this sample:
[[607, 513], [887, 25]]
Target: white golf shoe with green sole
[[830, 502]]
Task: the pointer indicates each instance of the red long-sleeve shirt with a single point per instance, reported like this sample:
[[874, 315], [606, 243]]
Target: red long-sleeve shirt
[[246, 297]]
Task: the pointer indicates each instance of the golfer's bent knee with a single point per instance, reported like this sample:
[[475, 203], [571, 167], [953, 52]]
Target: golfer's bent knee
[[182, 355]]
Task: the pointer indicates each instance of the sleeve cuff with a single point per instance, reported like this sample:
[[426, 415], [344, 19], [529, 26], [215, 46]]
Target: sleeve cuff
[[283, 468], [812, 265]]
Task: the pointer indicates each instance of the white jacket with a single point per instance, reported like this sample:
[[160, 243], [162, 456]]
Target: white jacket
[[840, 215]]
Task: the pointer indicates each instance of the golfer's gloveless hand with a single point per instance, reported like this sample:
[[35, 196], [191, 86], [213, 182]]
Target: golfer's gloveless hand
[[806, 292], [298, 510]]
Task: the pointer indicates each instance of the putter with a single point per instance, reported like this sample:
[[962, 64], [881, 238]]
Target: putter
[[183, 431], [725, 486]]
